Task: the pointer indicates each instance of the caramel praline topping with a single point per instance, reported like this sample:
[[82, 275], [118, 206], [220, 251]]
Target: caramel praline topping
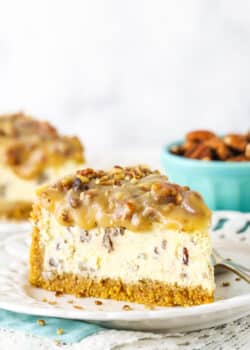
[[135, 198], [28, 146]]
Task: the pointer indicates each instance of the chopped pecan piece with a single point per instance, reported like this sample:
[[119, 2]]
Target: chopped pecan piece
[[3, 190], [127, 308], [156, 250], [185, 256], [107, 242], [85, 236], [52, 262], [129, 209], [60, 331], [150, 213], [41, 322], [17, 154], [164, 244], [77, 184], [74, 202], [65, 217], [78, 307]]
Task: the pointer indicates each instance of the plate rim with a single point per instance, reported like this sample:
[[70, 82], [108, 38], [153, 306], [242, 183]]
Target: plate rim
[[168, 313]]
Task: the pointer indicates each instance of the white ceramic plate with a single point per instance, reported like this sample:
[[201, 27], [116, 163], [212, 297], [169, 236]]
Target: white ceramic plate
[[232, 302], [8, 227]]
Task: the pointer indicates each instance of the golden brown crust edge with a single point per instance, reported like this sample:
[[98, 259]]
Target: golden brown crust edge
[[143, 292]]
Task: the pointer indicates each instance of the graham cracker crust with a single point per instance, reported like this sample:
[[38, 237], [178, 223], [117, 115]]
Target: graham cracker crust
[[147, 292]]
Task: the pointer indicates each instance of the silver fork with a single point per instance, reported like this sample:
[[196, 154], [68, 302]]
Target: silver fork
[[230, 265]]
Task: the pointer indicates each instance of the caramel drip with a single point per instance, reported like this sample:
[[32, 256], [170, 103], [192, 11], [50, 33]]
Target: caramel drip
[[124, 197]]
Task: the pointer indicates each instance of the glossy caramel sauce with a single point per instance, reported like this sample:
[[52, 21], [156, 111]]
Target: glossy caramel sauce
[[28, 146], [133, 197]]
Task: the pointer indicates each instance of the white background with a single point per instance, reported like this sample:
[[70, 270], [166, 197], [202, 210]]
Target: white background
[[125, 74]]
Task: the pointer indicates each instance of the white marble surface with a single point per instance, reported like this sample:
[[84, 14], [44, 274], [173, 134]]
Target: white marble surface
[[126, 73]]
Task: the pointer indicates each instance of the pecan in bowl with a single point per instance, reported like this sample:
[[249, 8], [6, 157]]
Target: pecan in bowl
[[218, 167], [206, 145]]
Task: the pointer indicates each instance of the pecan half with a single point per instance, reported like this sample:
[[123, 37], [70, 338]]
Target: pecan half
[[247, 151], [199, 151], [239, 158], [235, 141], [219, 147], [199, 135], [205, 145]]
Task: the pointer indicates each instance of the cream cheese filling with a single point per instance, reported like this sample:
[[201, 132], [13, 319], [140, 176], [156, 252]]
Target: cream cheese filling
[[14, 188], [163, 255]]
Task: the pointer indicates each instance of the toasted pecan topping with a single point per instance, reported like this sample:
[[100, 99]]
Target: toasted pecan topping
[[134, 198], [205, 145], [59, 331], [127, 308], [41, 322], [28, 146]]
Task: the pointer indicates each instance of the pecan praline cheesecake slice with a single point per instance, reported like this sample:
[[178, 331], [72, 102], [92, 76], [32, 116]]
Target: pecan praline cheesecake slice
[[31, 153], [125, 234]]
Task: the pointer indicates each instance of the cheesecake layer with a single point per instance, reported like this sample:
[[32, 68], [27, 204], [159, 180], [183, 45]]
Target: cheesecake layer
[[117, 253], [174, 267]]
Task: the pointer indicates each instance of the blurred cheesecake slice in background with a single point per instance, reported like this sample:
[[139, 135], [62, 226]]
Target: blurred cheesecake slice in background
[[125, 234], [31, 153]]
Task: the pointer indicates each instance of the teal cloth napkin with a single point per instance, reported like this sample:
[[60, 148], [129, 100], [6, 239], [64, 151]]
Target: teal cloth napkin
[[74, 331]]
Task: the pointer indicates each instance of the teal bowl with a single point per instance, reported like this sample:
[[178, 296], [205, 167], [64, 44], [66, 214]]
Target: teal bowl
[[223, 185]]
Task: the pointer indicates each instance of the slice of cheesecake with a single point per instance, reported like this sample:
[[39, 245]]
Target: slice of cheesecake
[[127, 234], [31, 153]]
